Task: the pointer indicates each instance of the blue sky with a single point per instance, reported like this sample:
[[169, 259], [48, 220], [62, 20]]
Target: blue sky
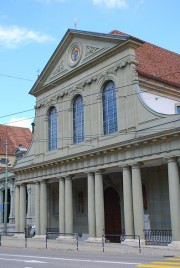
[[30, 30]]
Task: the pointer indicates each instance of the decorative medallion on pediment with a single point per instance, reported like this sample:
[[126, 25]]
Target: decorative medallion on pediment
[[74, 53]]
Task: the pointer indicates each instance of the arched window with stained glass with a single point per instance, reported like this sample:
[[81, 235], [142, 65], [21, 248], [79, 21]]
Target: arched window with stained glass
[[109, 109], [78, 119], [52, 129]]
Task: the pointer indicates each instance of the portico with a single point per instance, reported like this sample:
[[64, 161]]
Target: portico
[[126, 180]]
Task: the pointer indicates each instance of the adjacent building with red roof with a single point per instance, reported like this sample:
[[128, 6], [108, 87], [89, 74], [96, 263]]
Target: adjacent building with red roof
[[12, 140]]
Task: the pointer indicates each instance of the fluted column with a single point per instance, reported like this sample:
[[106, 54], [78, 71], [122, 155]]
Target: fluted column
[[61, 205], [68, 205], [37, 208], [43, 207], [22, 212], [128, 202], [138, 208], [174, 198], [91, 205], [17, 208], [99, 204]]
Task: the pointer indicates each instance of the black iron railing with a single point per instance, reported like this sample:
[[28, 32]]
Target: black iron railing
[[52, 233], [158, 237]]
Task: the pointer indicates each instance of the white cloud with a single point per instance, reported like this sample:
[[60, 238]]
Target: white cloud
[[13, 36], [20, 122], [111, 3]]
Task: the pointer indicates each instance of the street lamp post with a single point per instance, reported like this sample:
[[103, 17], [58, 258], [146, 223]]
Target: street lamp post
[[5, 191]]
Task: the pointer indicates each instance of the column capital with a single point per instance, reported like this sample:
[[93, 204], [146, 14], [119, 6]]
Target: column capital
[[60, 178], [43, 181], [36, 182], [68, 177], [136, 164], [90, 173], [23, 184], [126, 167], [98, 172], [171, 159]]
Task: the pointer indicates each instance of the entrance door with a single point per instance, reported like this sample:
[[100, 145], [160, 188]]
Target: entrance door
[[112, 215]]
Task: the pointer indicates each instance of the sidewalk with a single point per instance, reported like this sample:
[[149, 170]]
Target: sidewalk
[[71, 245]]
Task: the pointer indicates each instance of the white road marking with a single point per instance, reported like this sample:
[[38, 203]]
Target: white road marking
[[68, 259], [32, 261]]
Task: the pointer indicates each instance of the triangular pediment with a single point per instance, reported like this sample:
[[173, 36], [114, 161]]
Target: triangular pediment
[[76, 49], [78, 52]]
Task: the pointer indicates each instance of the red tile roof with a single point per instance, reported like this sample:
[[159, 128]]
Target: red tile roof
[[3, 169], [14, 136], [157, 63]]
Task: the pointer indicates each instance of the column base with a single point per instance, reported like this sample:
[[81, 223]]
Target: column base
[[39, 237], [19, 236], [133, 242], [129, 242], [94, 240], [66, 237], [174, 245], [11, 220]]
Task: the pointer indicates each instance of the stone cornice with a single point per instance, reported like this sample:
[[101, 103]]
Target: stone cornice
[[130, 59], [158, 87], [122, 148]]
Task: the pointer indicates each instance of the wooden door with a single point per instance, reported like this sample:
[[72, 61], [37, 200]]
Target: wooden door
[[112, 215]]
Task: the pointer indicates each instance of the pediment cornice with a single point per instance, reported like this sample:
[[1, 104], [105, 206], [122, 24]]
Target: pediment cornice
[[97, 77]]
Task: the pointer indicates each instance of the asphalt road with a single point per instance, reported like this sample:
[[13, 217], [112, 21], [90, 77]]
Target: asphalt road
[[33, 258]]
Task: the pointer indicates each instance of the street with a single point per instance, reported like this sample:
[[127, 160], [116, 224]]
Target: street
[[33, 258]]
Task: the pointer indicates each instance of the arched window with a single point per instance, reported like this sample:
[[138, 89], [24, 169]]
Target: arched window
[[78, 119], [109, 109], [52, 129]]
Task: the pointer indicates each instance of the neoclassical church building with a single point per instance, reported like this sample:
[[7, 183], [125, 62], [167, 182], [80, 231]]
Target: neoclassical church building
[[104, 158]]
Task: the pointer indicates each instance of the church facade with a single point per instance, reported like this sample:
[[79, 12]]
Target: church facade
[[102, 160]]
